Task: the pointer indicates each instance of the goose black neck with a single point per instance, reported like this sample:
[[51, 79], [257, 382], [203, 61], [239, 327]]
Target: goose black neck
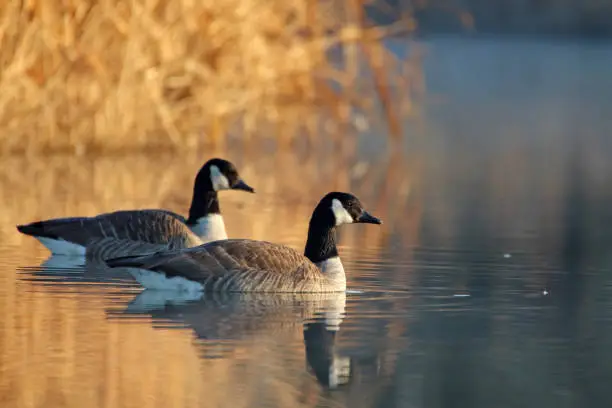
[[321, 243], [203, 203]]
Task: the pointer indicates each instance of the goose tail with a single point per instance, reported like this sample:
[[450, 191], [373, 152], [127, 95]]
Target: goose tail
[[33, 229], [143, 269]]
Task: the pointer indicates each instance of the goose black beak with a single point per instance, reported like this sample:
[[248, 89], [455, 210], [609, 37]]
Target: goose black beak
[[241, 185], [366, 218]]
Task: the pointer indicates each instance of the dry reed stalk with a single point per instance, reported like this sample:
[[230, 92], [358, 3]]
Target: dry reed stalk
[[114, 75]]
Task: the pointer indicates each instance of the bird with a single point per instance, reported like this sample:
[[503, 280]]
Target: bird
[[156, 227], [244, 265]]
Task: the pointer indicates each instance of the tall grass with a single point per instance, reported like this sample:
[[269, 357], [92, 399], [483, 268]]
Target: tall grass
[[118, 74]]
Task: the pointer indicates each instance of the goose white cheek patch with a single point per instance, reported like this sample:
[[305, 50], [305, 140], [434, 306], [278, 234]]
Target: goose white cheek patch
[[342, 216], [218, 179]]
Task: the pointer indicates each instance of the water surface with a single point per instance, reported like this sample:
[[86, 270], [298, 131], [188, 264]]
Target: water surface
[[488, 285]]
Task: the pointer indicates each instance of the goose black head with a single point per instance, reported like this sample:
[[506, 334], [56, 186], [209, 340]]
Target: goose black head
[[218, 174], [342, 208]]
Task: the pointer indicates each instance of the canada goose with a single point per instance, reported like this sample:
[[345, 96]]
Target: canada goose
[[70, 236], [242, 265]]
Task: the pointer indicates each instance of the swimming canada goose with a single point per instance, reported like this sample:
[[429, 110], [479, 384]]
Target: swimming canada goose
[[242, 265], [70, 236]]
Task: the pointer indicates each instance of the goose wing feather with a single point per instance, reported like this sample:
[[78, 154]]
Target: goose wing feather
[[153, 226], [108, 248]]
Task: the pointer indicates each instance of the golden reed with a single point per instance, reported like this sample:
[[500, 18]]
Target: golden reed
[[84, 75]]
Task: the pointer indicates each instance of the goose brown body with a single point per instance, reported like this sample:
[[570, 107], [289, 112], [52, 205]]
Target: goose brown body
[[162, 228], [238, 265]]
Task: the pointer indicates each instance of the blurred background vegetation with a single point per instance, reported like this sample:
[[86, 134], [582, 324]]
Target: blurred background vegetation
[[84, 75]]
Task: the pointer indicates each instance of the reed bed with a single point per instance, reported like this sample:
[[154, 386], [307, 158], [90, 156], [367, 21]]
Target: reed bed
[[84, 75]]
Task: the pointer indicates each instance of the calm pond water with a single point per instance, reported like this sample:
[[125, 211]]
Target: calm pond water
[[489, 285]]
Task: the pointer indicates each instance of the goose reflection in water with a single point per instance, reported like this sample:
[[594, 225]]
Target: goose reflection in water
[[228, 317], [330, 369], [74, 269]]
